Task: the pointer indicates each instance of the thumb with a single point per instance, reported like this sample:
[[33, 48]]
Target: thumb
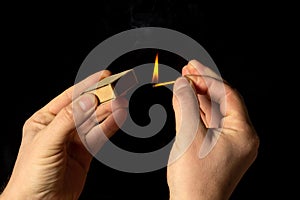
[[187, 115]]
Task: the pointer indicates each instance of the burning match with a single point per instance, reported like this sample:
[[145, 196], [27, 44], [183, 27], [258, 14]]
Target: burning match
[[155, 75]]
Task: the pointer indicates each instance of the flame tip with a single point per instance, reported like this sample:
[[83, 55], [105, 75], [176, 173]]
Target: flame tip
[[155, 70]]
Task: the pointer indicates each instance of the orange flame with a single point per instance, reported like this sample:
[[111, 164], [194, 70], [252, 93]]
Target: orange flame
[[155, 70]]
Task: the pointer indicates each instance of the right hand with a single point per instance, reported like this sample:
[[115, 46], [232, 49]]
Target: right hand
[[213, 147]]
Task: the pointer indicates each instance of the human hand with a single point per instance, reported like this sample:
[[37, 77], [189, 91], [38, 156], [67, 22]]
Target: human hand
[[215, 141], [53, 159]]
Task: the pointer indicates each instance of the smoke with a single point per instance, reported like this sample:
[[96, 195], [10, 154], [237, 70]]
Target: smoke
[[151, 13]]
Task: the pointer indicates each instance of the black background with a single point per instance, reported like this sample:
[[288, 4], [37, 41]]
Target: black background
[[44, 46]]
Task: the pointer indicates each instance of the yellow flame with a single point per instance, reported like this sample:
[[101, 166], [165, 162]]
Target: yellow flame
[[155, 70]]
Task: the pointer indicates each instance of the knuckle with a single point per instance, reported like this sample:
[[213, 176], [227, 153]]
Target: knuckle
[[251, 144], [38, 121], [27, 125], [41, 118], [254, 143], [67, 114]]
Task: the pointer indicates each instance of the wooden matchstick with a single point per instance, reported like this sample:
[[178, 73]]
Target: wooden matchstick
[[169, 82], [163, 83]]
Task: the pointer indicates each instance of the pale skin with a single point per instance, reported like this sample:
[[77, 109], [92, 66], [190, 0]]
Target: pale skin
[[53, 162], [53, 159], [216, 174]]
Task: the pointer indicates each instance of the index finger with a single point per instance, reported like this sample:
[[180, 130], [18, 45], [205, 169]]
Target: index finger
[[197, 68], [66, 97]]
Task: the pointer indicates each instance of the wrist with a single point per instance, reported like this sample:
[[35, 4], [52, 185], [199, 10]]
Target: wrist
[[197, 193]]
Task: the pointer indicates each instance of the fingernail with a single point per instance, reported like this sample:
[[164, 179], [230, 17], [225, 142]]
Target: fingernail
[[181, 83], [87, 101], [185, 70], [194, 63]]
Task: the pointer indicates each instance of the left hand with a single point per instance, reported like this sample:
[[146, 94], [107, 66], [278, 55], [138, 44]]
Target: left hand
[[53, 159]]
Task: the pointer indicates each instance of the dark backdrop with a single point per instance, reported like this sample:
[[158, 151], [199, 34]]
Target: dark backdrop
[[44, 46]]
